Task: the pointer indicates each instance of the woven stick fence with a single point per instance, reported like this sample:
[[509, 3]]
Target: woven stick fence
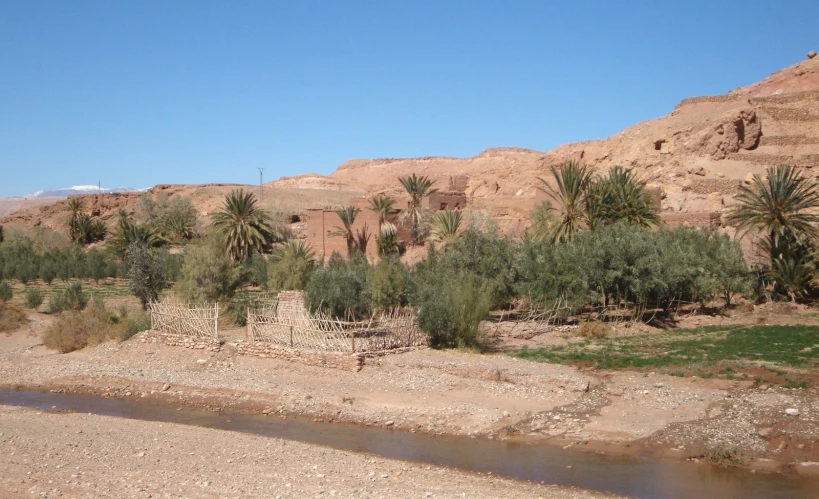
[[385, 331], [199, 321]]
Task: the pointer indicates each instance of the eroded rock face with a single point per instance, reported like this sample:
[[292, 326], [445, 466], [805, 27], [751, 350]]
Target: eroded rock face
[[738, 130]]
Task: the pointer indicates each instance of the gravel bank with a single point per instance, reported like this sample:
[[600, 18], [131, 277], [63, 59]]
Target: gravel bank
[[77, 455]]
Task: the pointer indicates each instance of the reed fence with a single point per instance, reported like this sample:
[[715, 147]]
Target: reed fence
[[199, 321], [385, 331]]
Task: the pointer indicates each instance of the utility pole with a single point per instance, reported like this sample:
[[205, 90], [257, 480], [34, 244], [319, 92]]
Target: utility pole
[[260, 184]]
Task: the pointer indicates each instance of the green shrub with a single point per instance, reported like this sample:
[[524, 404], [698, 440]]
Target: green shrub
[[131, 325], [34, 297], [488, 255], [208, 274], [342, 289], [11, 317], [390, 281], [172, 217], [622, 265], [451, 308], [145, 272], [71, 298], [6, 292]]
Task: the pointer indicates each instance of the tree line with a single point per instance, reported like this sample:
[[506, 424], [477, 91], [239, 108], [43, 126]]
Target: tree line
[[597, 246]]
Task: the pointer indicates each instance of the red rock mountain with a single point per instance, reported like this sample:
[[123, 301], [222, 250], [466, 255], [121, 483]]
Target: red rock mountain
[[698, 155]]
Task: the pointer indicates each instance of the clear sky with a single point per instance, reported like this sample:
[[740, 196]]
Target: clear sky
[[135, 93]]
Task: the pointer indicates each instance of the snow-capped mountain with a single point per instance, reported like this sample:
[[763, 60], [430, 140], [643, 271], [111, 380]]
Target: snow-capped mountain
[[79, 189]]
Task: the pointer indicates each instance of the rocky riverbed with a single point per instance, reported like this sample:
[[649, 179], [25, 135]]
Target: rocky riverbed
[[455, 393]]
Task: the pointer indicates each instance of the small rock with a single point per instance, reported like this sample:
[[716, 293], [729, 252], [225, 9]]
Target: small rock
[[166, 387], [792, 411], [658, 385], [201, 361], [765, 432], [389, 423], [141, 454], [811, 54], [763, 387], [505, 414]]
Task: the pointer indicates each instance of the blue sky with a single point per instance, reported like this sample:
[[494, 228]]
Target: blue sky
[[138, 93]]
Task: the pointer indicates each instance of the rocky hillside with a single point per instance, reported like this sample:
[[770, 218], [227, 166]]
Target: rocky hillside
[[290, 202], [698, 155]]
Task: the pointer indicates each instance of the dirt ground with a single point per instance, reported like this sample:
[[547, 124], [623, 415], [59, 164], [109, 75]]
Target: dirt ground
[[438, 392]]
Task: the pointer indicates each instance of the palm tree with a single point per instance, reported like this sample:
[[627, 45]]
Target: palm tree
[[293, 250], [619, 197], [76, 208], [543, 221], [382, 205], [245, 226], [292, 265], [572, 181], [129, 233], [784, 203], [387, 235], [783, 208], [362, 238], [347, 216], [445, 225], [418, 188]]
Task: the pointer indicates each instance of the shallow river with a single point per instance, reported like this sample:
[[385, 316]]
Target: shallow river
[[648, 478]]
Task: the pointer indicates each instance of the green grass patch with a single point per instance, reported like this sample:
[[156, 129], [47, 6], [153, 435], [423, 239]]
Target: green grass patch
[[717, 351]]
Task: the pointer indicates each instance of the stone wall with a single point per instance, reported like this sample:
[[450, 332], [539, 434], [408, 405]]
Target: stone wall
[[787, 98], [711, 220], [346, 362], [707, 98], [709, 185], [178, 340], [791, 114], [805, 160], [787, 140]]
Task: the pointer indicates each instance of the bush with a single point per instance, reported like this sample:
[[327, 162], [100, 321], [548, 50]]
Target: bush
[[390, 282], [208, 274], [451, 309], [72, 298], [145, 271], [342, 289], [172, 217], [133, 325], [623, 265], [11, 317], [488, 255], [6, 292], [75, 330], [34, 297], [594, 329]]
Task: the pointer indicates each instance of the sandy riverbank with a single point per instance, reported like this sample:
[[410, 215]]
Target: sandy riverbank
[[457, 393]]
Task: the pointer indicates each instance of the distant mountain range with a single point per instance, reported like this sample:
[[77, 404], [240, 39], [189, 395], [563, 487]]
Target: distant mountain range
[[79, 189]]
